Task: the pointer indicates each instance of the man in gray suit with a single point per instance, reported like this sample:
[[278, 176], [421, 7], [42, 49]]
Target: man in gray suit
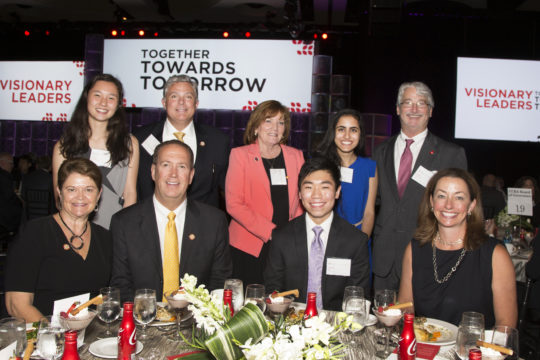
[[142, 232], [405, 163]]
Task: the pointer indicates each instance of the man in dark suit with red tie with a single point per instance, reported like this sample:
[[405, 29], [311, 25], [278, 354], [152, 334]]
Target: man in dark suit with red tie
[[210, 146], [405, 163], [158, 240]]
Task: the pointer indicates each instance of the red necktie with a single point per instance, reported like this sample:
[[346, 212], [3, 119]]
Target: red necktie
[[405, 166]]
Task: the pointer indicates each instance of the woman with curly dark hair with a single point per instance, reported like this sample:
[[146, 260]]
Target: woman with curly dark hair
[[98, 131], [528, 182], [452, 266]]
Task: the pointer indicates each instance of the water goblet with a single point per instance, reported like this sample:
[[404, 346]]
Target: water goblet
[[178, 304], [109, 310], [351, 290], [471, 328], [13, 330], [145, 309], [356, 306], [237, 288], [255, 294], [50, 339], [388, 318], [507, 337]]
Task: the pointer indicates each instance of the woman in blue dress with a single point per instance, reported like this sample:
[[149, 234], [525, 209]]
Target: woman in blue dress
[[344, 143]]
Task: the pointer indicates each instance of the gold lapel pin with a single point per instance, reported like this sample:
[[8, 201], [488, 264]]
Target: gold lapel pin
[[66, 247], [202, 143], [191, 236]]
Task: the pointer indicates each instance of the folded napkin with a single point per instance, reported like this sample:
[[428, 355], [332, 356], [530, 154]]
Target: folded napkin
[[425, 351]]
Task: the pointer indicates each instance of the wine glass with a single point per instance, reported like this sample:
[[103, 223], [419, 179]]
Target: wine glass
[[237, 288], [109, 310], [13, 330], [507, 337], [356, 291], [178, 304], [388, 318], [145, 309], [255, 294], [471, 328], [50, 339], [356, 306]]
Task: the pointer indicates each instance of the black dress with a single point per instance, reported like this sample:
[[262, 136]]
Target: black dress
[[467, 289], [40, 261]]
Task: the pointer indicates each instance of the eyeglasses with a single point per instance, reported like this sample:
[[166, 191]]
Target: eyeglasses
[[421, 104]]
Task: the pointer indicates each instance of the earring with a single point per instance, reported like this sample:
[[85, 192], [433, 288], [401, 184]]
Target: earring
[[432, 209], [96, 209], [255, 132], [469, 213]]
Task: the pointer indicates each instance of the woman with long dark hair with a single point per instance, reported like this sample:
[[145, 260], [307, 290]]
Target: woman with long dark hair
[[98, 131], [344, 144]]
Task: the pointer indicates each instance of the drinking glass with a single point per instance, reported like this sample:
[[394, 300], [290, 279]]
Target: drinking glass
[[145, 309], [471, 328], [356, 306], [13, 330], [357, 291], [178, 304], [237, 288], [109, 310], [255, 294], [50, 339], [508, 337], [382, 299]]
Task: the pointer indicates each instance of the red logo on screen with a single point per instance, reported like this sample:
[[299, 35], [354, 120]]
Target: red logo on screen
[[304, 47], [252, 104], [297, 107]]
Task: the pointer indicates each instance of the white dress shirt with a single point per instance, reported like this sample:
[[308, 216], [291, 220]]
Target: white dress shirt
[[324, 234], [190, 138], [399, 147], [162, 219]]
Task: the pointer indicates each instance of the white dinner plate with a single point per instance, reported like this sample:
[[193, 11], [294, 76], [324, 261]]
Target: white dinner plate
[[108, 348], [186, 317], [371, 320], [448, 337]]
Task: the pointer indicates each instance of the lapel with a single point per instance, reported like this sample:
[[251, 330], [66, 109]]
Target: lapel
[[390, 168], [425, 159], [291, 168], [190, 228], [332, 250], [157, 131], [301, 253], [149, 234], [202, 145], [255, 163]]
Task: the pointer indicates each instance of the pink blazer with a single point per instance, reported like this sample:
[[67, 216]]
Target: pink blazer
[[248, 199]]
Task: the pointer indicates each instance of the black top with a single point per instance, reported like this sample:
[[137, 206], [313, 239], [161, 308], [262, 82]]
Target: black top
[[467, 289], [279, 193], [41, 262], [533, 272]]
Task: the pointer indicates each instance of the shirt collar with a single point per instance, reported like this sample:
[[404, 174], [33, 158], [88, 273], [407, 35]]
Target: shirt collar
[[169, 130], [417, 138], [162, 210]]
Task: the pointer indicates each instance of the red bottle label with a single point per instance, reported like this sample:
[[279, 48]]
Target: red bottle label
[[127, 335], [407, 340]]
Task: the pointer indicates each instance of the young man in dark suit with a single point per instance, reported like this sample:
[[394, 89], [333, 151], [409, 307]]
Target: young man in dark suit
[[210, 146], [318, 251], [158, 240]]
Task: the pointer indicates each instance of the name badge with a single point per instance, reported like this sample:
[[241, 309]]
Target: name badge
[[100, 158], [422, 175], [346, 174], [278, 177], [339, 267], [150, 144]]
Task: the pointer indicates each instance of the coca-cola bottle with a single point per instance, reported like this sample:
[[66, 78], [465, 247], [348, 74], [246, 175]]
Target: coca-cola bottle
[[475, 354], [70, 346], [311, 307], [127, 334], [407, 341], [227, 300]]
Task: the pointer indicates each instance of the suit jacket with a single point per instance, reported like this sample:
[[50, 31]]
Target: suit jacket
[[287, 265], [248, 198], [137, 261], [397, 218], [10, 205], [213, 148]]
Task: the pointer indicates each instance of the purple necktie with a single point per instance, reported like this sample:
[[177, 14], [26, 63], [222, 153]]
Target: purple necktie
[[405, 165], [316, 259]]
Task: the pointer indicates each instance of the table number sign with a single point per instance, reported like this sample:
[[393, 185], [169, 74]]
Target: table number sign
[[520, 201]]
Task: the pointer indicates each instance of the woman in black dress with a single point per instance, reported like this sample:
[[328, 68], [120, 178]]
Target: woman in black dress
[[452, 266], [61, 255]]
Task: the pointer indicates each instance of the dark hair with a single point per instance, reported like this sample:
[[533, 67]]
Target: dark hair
[[521, 182], [319, 163], [327, 147], [263, 111], [74, 140], [427, 228], [172, 142], [80, 166], [44, 162]]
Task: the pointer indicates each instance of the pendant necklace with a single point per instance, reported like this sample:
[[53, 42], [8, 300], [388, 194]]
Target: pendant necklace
[[74, 236]]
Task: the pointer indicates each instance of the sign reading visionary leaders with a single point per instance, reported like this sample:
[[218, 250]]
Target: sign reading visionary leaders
[[232, 74], [498, 99], [40, 90]]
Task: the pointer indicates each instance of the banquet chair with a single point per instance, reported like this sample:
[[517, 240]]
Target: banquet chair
[[38, 203], [529, 328]]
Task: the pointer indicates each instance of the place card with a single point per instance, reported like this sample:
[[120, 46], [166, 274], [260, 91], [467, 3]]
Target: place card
[[520, 201], [8, 351]]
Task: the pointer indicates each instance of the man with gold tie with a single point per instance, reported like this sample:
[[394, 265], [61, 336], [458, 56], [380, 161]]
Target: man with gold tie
[[159, 239], [210, 146]]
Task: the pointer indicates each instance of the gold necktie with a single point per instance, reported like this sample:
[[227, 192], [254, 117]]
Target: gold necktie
[[171, 262], [180, 135]]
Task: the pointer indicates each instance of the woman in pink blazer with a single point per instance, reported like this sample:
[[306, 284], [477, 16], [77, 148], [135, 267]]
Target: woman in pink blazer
[[261, 188]]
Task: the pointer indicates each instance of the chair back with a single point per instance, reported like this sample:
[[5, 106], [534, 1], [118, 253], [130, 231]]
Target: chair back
[[38, 203]]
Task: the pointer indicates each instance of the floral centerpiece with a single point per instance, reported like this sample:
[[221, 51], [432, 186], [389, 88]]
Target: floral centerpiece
[[249, 335], [508, 221]]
